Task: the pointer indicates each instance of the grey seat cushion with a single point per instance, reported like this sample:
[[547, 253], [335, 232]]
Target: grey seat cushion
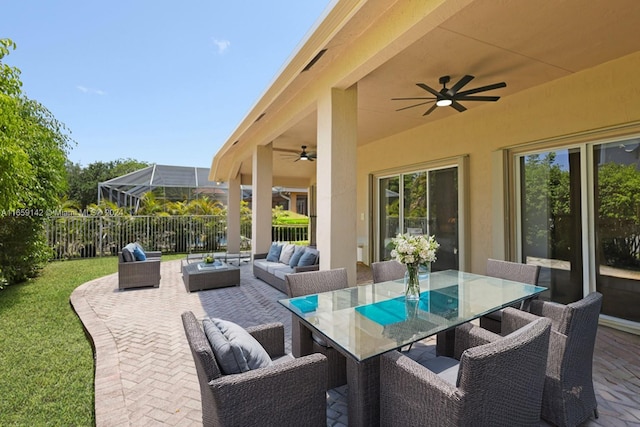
[[446, 367], [235, 349], [283, 358], [281, 272]]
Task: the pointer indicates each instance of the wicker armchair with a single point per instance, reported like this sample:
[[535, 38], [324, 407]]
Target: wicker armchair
[[499, 383], [569, 397], [384, 271], [287, 393], [525, 273], [303, 341], [138, 274]]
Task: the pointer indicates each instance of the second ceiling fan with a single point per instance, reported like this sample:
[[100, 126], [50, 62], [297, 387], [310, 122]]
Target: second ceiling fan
[[450, 96]]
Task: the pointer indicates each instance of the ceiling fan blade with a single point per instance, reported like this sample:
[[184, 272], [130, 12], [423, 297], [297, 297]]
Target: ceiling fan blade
[[409, 99], [482, 89], [458, 106], [434, 92], [478, 98], [415, 105], [286, 150], [433, 107], [462, 82]]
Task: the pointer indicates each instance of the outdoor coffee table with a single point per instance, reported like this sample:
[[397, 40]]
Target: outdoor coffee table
[[363, 322], [200, 276]]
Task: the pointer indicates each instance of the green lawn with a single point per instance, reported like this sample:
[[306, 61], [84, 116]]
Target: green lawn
[[46, 361]]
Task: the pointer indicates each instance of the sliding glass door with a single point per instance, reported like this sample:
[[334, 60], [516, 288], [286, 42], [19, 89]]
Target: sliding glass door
[[550, 220], [588, 197], [616, 171], [420, 202]]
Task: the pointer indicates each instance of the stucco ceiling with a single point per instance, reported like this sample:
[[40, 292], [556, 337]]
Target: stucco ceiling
[[523, 43]]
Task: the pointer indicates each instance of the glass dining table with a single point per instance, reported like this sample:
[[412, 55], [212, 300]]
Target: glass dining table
[[365, 321]]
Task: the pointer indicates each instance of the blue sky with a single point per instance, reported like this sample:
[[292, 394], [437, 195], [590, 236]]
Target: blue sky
[[157, 81]]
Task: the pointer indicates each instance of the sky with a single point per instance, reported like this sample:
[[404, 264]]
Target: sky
[[158, 81]]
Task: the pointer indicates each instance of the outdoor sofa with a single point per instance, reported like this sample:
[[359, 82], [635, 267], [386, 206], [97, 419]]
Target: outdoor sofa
[[283, 259]]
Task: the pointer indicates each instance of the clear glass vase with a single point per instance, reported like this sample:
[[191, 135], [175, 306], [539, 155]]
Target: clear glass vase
[[412, 282]]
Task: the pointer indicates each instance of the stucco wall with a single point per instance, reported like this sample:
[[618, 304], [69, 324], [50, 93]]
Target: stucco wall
[[605, 96]]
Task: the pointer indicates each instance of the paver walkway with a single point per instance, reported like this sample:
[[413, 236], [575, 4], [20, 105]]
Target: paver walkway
[[145, 374]]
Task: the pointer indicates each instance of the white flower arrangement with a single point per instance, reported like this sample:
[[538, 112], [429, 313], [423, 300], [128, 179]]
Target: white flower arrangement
[[409, 249]]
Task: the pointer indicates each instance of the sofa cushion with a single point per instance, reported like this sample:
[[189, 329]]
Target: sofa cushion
[[127, 255], [286, 252], [263, 264], [235, 349], [281, 272], [309, 257], [297, 254], [275, 266], [274, 252], [139, 254]]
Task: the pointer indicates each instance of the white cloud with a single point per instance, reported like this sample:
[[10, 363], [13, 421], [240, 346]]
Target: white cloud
[[91, 91], [222, 45]]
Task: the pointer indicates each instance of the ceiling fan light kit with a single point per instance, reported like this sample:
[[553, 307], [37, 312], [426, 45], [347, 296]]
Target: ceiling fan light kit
[[450, 97]]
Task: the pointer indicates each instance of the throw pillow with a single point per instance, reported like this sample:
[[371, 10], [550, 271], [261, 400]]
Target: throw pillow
[[286, 252], [274, 252], [127, 256], [297, 254], [139, 254], [309, 257], [235, 349]]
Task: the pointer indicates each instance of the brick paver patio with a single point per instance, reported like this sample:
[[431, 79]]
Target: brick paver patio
[[145, 374]]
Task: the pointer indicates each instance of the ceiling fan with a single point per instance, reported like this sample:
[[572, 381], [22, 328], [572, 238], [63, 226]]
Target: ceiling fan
[[305, 156], [450, 96], [300, 155]]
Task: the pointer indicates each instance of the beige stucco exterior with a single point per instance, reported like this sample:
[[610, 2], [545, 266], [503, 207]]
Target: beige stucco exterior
[[568, 110], [571, 73]]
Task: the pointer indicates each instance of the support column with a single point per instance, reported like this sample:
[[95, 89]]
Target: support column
[[336, 180], [261, 185], [233, 215]]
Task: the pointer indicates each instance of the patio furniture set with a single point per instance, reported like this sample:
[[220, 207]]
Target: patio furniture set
[[523, 362], [353, 335]]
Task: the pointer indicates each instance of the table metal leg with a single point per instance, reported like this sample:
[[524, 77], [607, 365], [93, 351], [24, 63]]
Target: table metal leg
[[363, 379]]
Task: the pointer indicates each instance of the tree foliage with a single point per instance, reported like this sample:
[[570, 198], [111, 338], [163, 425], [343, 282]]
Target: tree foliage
[[33, 148]]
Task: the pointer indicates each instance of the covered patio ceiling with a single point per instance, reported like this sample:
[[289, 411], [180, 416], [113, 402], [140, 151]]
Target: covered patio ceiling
[[368, 43]]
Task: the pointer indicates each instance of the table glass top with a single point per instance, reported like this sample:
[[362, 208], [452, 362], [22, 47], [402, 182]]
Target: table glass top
[[368, 320]]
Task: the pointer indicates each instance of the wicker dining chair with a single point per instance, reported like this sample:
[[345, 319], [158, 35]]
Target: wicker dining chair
[[525, 273], [303, 340], [569, 397], [384, 271], [500, 382]]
